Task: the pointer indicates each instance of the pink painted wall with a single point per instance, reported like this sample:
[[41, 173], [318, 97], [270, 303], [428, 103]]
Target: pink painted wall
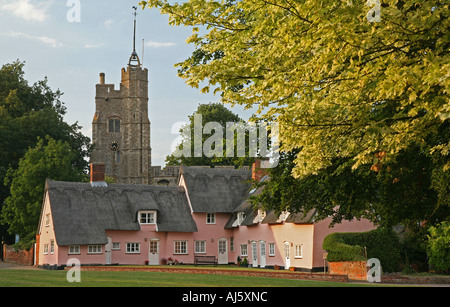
[[211, 233], [259, 232], [47, 234]]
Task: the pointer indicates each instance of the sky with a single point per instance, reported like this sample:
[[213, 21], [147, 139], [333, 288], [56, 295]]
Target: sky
[[72, 41]]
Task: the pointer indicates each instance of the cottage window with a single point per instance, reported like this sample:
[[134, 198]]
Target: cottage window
[[74, 250], [133, 248], [200, 247], [47, 220], [147, 217], [244, 250], [298, 250], [180, 247], [45, 249], [271, 249], [52, 246], [210, 218], [94, 249], [116, 246], [231, 244]]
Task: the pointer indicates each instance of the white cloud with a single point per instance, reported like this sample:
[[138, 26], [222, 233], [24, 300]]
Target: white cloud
[[27, 10], [43, 39], [109, 23], [93, 46], [159, 44]]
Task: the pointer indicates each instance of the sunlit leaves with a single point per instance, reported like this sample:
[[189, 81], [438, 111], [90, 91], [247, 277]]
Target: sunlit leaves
[[339, 85]]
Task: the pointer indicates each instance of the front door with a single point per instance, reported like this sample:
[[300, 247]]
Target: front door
[[287, 255], [262, 254], [223, 252], [153, 255], [254, 254], [108, 248]]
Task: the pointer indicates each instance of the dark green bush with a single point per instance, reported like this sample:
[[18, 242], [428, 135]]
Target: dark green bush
[[338, 250], [359, 246]]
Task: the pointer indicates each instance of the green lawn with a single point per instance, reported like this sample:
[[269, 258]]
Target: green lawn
[[43, 278]]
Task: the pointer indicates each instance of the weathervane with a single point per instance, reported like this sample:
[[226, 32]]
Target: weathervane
[[134, 56]]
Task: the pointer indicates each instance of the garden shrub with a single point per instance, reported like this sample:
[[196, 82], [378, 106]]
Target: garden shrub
[[359, 246], [439, 246]]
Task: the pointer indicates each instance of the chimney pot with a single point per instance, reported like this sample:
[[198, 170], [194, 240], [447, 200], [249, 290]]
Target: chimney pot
[[102, 78]]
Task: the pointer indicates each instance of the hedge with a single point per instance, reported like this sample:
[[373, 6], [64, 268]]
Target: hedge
[[383, 244]]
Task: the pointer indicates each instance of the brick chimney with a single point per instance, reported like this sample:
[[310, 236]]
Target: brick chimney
[[258, 170], [98, 175]]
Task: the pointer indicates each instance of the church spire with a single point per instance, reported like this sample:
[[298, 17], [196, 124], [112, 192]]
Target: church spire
[[134, 59]]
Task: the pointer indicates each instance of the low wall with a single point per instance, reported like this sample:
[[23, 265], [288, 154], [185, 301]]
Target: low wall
[[20, 257], [356, 270], [272, 274]]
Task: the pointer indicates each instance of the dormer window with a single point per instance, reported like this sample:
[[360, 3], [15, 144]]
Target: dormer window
[[261, 214], [283, 216], [240, 217], [147, 217], [210, 218]]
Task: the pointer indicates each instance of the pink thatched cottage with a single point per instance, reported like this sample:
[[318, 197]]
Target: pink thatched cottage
[[207, 214]]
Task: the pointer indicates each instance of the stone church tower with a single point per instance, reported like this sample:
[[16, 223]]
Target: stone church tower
[[121, 125]]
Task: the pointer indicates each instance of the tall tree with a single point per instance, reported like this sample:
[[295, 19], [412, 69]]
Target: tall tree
[[29, 112], [212, 142], [340, 84], [49, 159], [360, 91]]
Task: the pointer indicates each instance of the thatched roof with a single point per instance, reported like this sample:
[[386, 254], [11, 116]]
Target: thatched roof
[[82, 213], [216, 189]]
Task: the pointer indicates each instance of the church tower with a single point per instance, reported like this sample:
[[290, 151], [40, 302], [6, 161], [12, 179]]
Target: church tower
[[121, 125]]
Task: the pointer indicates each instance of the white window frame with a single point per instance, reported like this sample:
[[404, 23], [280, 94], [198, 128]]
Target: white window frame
[[210, 218], [149, 217], [47, 220], [95, 249], [115, 246], [45, 249], [74, 250], [271, 249], [298, 251], [52, 246], [180, 247], [200, 247], [231, 244], [244, 250], [133, 248]]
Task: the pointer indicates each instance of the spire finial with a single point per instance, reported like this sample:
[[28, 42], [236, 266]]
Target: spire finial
[[134, 56]]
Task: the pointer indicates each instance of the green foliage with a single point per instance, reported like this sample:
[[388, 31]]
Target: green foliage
[[380, 243], [338, 250], [340, 87], [211, 113], [439, 246], [49, 159], [403, 191], [29, 113]]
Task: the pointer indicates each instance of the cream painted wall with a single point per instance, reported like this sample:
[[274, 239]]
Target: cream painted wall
[[301, 234]]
